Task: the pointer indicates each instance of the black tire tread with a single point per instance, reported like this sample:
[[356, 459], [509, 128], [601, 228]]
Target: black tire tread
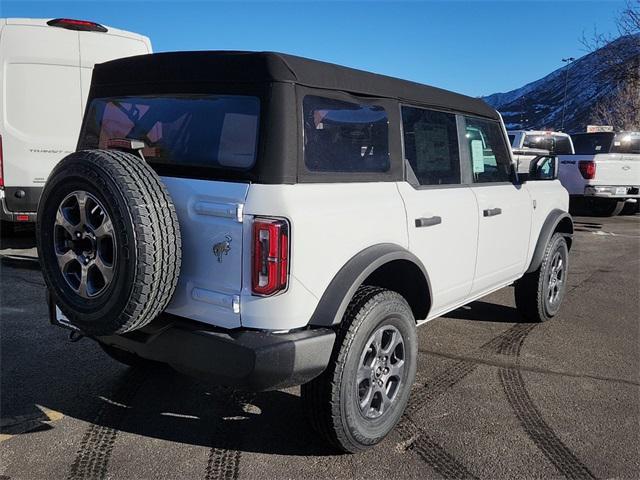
[[156, 230], [529, 290], [321, 396]]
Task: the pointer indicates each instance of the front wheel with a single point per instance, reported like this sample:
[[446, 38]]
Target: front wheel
[[361, 396], [539, 294]]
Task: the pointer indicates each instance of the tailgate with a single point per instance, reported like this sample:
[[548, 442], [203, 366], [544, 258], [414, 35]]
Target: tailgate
[[210, 216], [617, 169]]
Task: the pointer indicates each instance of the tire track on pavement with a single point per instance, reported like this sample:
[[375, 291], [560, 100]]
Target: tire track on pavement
[[532, 421], [92, 458], [416, 438], [223, 463]]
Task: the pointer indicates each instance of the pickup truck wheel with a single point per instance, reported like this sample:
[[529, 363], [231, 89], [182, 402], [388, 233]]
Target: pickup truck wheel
[[605, 207], [539, 294], [361, 396], [108, 240]]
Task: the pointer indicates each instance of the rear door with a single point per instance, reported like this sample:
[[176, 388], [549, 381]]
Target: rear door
[[193, 141], [504, 208], [41, 100], [442, 221]]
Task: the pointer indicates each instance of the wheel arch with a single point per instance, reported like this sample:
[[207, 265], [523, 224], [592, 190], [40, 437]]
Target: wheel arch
[[385, 265], [557, 221]]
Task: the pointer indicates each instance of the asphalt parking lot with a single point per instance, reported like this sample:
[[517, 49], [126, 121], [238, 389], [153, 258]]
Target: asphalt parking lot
[[494, 397]]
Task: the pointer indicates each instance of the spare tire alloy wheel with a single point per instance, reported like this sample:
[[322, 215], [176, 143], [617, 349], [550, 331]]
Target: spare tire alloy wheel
[[85, 244], [108, 241]]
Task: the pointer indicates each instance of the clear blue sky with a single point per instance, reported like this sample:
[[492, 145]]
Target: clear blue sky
[[475, 47]]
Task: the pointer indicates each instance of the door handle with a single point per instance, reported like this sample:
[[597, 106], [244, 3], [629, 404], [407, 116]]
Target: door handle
[[428, 222], [492, 212]]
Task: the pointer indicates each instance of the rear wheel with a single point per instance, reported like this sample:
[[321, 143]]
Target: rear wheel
[[606, 207], [361, 396], [539, 294]]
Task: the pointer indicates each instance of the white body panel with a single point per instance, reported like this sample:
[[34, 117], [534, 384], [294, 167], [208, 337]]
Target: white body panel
[[612, 170], [502, 238], [44, 80], [448, 249]]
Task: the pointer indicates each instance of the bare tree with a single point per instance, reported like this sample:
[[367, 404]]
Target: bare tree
[[621, 55]]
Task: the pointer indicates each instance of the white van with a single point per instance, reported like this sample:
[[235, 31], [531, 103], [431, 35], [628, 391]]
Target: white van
[[45, 74]]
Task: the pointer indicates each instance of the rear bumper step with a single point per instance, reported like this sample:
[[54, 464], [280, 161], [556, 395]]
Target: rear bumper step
[[247, 359]]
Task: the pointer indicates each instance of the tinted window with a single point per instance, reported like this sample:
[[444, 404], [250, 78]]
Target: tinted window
[[558, 144], [431, 145], [511, 139], [345, 137], [626, 143], [592, 143], [213, 131], [490, 160]]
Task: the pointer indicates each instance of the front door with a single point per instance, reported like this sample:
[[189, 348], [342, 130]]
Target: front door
[[441, 211], [504, 208]]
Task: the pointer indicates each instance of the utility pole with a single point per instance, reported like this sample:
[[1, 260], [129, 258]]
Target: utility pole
[[567, 61]]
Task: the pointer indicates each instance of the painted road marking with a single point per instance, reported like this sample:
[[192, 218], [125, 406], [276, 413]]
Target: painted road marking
[[11, 426]]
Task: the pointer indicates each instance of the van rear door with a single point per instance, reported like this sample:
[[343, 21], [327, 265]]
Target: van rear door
[[41, 100]]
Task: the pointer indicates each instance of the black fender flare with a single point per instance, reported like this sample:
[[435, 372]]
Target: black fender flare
[[549, 226], [343, 286]]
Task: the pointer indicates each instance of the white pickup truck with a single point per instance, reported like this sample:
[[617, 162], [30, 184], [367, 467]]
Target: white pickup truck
[[527, 144], [604, 173]]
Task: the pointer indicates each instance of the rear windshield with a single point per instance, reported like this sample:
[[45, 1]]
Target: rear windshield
[[626, 143], [558, 144], [592, 143], [211, 131]]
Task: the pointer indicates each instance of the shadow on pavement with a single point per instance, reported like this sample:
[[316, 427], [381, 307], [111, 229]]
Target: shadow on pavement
[[487, 312]]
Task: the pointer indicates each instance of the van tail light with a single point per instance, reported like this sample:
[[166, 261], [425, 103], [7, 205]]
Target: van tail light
[[587, 169], [270, 256], [1, 165]]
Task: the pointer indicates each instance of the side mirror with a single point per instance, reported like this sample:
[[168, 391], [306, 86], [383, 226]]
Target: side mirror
[[544, 167]]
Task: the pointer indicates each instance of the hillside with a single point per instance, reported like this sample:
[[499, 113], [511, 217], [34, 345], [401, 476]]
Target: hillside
[[539, 104]]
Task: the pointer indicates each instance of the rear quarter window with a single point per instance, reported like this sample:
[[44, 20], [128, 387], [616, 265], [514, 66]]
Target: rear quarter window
[[342, 136]]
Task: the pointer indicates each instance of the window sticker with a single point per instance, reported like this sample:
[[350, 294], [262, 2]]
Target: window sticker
[[477, 155]]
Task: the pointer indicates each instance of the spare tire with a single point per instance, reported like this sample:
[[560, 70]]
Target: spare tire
[[108, 241]]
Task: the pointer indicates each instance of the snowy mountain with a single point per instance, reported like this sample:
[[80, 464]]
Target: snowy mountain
[[538, 105]]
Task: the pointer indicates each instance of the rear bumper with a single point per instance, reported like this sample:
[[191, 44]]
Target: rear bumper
[[247, 359], [620, 192], [13, 216]]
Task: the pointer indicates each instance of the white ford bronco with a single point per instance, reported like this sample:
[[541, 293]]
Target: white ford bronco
[[263, 221]]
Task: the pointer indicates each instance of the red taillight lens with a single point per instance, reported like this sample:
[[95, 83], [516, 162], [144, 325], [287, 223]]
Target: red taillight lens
[[587, 169], [270, 256], [1, 165], [79, 25]]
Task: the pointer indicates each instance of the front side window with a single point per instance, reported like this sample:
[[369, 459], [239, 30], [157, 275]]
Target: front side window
[[211, 131], [343, 136], [431, 145], [489, 154]]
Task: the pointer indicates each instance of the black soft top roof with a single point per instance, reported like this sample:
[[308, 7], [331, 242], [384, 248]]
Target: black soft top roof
[[260, 67]]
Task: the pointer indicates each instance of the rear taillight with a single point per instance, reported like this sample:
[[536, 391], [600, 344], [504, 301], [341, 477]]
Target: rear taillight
[[270, 256], [587, 169], [1, 165]]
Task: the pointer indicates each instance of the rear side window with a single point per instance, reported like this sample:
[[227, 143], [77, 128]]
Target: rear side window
[[558, 144], [592, 143], [213, 131], [431, 145], [490, 160], [343, 136]]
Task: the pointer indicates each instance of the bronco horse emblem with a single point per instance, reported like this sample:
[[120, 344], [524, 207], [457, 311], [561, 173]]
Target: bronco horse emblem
[[222, 248]]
